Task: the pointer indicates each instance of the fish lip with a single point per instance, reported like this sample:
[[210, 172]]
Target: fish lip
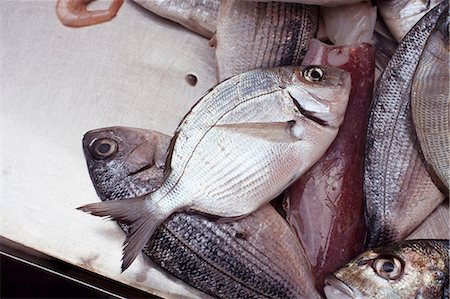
[[345, 292]]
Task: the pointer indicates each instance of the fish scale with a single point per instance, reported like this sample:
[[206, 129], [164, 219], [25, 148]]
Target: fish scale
[[395, 175]]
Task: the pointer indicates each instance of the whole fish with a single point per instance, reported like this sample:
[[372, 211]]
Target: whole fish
[[430, 103], [399, 192], [325, 206], [410, 269], [199, 16], [257, 256], [253, 35], [401, 15], [74, 13], [239, 147]]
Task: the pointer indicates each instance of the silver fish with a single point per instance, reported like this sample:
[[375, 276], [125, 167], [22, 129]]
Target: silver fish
[[399, 193], [401, 15], [430, 103], [410, 269], [239, 147], [253, 35], [257, 256], [199, 16]]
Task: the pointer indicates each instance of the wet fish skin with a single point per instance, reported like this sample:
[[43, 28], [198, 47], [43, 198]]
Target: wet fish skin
[[401, 15], [241, 148], [430, 103], [399, 193], [134, 164], [199, 16], [325, 206], [253, 35], [254, 257], [410, 269]]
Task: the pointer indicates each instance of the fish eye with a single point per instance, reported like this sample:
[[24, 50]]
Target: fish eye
[[313, 73], [388, 267], [103, 148]]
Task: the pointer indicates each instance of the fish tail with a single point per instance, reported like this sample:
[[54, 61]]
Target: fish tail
[[141, 215]]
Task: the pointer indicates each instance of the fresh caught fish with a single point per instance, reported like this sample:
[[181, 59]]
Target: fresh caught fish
[[399, 193], [410, 269], [401, 15], [74, 13], [330, 3], [436, 226], [385, 48], [325, 206], [252, 35], [257, 256], [239, 147], [430, 103], [350, 24], [199, 16]]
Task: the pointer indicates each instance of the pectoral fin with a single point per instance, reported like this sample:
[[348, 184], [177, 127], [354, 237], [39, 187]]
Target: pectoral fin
[[288, 131]]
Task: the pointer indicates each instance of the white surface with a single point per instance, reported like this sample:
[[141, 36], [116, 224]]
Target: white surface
[[58, 83]]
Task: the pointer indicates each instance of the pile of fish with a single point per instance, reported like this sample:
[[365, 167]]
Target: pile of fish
[[297, 116]]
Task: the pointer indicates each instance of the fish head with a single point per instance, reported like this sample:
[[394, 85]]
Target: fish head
[[321, 93], [393, 271], [125, 162]]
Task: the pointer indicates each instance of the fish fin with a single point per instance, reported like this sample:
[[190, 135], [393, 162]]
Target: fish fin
[[139, 214], [287, 131]]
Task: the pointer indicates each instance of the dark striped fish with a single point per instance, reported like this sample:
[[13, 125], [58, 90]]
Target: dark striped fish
[[255, 257], [399, 192], [253, 35]]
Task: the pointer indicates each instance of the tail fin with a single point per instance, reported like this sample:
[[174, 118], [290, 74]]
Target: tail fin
[[142, 217]]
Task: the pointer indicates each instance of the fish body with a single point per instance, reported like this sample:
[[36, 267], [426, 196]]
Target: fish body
[[410, 269], [252, 35], [430, 102], [257, 256], [239, 147], [399, 192], [329, 3], [199, 16], [325, 206], [401, 16]]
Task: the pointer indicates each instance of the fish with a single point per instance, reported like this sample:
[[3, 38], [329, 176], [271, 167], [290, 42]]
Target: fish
[[401, 15], [349, 24], [199, 16], [239, 147], [74, 13], [257, 256], [399, 193], [328, 3], [325, 206], [385, 48], [252, 35], [409, 269], [430, 104]]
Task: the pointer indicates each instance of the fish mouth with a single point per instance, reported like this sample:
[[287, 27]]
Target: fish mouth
[[337, 289]]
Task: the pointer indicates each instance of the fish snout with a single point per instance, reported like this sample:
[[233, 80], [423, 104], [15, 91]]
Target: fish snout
[[337, 289]]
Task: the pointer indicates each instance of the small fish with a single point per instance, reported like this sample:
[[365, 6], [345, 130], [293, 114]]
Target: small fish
[[399, 193], [410, 269], [401, 15], [199, 16], [430, 103], [257, 256], [325, 206], [239, 147], [253, 35], [74, 13]]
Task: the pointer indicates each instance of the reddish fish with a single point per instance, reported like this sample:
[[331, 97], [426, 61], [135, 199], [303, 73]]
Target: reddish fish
[[325, 207]]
